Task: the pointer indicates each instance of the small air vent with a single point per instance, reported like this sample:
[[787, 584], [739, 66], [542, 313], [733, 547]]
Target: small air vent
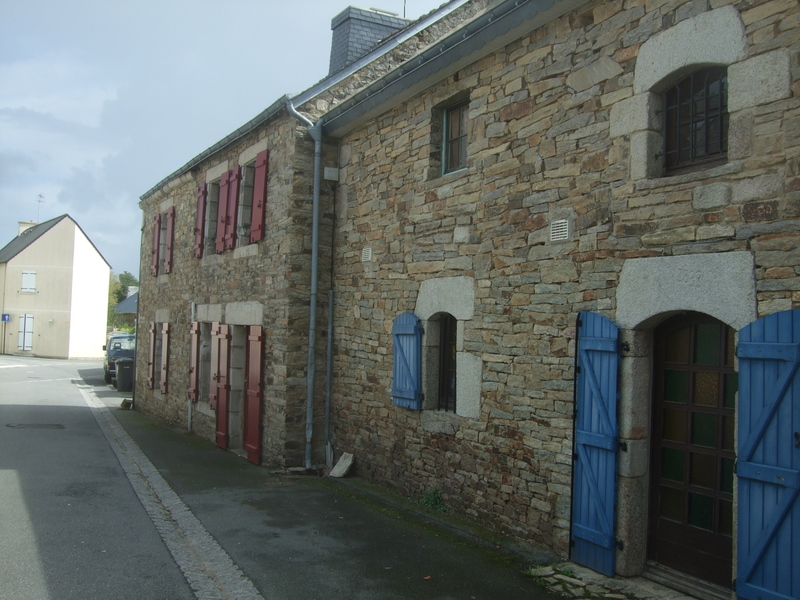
[[366, 254], [559, 230]]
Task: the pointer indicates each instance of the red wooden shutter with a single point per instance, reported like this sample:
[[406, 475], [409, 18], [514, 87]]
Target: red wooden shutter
[[194, 361], [252, 401], [233, 206], [223, 388], [164, 356], [151, 358], [156, 243], [200, 219], [212, 388], [259, 197], [222, 212], [170, 239]]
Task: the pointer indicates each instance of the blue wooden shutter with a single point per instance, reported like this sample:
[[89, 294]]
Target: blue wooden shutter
[[595, 460], [407, 371], [768, 466]]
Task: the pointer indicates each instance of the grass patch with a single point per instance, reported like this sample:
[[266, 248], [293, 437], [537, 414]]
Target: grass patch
[[432, 500]]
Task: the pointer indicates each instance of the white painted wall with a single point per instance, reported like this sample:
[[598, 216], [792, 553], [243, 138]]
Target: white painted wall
[[89, 300], [70, 274]]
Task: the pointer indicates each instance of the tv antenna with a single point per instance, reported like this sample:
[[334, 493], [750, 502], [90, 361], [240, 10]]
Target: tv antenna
[[39, 200]]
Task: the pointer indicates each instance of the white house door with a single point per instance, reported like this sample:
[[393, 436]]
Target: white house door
[[25, 332]]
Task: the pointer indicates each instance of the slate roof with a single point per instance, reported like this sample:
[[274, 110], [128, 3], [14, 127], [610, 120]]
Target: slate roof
[[30, 235], [129, 306]]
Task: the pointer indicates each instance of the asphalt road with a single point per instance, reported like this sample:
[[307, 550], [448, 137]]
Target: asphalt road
[[102, 503], [71, 526]]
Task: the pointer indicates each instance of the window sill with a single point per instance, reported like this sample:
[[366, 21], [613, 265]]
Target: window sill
[[670, 180], [439, 421], [447, 177], [214, 259], [245, 251]]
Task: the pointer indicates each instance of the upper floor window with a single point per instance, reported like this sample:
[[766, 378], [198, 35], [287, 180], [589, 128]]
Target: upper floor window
[[163, 238], [455, 137], [28, 282], [244, 218], [230, 210], [696, 120]]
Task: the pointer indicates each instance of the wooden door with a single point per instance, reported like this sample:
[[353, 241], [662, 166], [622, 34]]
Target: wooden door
[[693, 453]]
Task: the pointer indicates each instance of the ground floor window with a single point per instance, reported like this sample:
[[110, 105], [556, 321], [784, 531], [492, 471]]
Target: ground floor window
[[158, 357], [447, 362]]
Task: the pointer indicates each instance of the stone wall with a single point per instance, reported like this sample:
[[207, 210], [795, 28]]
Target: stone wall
[[560, 129], [258, 284]]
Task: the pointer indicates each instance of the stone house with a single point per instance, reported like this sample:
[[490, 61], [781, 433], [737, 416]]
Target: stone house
[[54, 291], [563, 276]]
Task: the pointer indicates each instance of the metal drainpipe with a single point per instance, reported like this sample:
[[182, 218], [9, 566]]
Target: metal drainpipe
[[329, 355], [315, 131], [189, 420]]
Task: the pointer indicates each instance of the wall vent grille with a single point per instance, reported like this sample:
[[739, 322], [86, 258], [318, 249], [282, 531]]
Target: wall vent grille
[[559, 230], [366, 254]]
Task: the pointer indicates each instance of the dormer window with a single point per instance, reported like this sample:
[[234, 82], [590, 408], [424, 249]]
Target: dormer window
[[696, 120]]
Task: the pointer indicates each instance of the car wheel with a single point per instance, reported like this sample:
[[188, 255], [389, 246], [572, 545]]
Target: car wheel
[[107, 377]]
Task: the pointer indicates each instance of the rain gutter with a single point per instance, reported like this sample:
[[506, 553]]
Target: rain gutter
[[298, 99], [388, 45], [229, 139], [483, 35]]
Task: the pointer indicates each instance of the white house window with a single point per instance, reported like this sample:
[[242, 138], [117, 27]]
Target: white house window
[[28, 282]]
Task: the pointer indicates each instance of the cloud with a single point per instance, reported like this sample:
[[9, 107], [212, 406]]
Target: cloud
[[61, 87]]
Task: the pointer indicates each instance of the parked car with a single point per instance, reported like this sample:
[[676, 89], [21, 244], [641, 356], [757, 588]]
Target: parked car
[[119, 345]]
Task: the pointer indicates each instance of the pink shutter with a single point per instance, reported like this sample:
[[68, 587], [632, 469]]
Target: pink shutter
[[164, 356], [223, 388], [194, 361], [252, 401], [259, 197], [156, 243], [212, 388], [151, 358], [222, 212], [170, 239], [233, 206], [200, 219]]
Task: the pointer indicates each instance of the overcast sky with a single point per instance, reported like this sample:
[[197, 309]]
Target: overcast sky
[[102, 99]]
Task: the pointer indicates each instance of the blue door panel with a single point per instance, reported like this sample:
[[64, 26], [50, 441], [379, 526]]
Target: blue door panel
[[768, 468], [594, 468]]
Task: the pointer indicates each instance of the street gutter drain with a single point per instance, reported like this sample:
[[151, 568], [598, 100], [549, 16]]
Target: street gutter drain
[[35, 425]]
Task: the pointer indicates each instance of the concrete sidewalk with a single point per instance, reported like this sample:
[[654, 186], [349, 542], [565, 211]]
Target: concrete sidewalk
[[297, 536]]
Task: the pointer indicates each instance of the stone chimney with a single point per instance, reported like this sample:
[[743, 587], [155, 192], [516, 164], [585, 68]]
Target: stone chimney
[[356, 31], [25, 225]]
